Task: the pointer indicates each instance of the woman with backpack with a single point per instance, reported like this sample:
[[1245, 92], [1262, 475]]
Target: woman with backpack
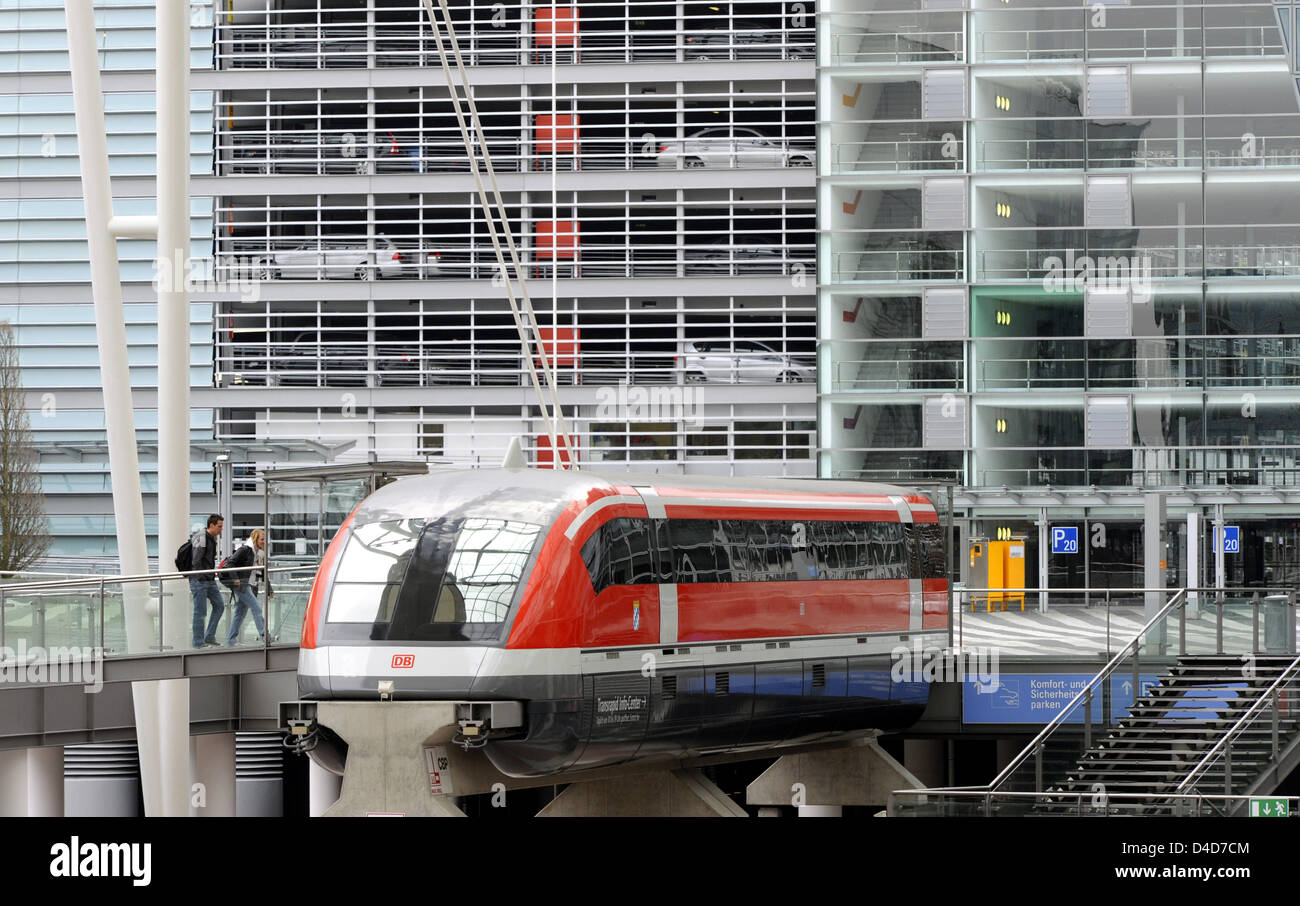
[[253, 553]]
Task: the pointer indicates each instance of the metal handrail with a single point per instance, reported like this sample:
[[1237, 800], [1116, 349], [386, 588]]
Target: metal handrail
[[148, 577], [1240, 725], [1085, 694]]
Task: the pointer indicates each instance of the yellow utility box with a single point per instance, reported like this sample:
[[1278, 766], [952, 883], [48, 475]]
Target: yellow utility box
[[998, 565]]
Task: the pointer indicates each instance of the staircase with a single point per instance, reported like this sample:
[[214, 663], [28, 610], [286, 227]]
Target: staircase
[[1214, 725]]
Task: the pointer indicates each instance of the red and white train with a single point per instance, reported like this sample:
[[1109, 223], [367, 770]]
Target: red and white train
[[634, 616]]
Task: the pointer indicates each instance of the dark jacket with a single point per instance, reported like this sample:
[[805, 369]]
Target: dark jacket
[[245, 555], [203, 554]]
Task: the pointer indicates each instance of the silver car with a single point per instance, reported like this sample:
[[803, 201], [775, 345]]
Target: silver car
[[731, 146], [741, 362], [335, 259]]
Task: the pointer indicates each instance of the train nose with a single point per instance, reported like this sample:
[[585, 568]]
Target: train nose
[[416, 671]]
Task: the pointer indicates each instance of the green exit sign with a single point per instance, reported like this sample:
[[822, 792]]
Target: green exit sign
[[1269, 808]]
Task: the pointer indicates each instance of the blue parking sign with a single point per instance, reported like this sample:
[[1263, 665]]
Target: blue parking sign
[[1065, 539], [1232, 539]]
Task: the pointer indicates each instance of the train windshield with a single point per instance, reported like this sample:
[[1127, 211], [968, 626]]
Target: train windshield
[[429, 580]]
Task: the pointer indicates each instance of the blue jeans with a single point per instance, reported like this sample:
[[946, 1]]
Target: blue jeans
[[206, 592], [245, 600]]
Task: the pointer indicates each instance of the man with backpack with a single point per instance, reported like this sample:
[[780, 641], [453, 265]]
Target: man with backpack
[[203, 585]]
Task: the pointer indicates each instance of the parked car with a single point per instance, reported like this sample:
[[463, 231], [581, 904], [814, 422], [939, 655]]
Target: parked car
[[336, 259], [731, 146], [750, 40], [742, 362]]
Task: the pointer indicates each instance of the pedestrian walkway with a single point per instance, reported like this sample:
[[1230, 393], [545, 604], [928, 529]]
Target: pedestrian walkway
[[1077, 630]]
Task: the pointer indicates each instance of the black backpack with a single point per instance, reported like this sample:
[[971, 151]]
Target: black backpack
[[232, 581], [185, 557]]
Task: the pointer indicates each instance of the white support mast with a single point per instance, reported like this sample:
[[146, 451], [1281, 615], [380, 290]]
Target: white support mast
[[161, 709]]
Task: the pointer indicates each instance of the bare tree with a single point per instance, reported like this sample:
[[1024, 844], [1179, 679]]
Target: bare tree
[[24, 530]]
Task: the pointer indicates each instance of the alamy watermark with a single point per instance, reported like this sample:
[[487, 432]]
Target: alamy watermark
[[237, 275], [660, 403], [56, 665], [1074, 273], [920, 664]]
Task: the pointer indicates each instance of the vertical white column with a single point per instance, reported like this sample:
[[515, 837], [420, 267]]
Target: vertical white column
[[31, 783], [323, 789], [212, 764], [173, 93], [115, 376], [1044, 552], [106, 288], [1193, 562], [173, 98], [1218, 546]]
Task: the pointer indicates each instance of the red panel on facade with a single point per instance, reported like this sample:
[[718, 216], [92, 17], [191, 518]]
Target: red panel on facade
[[555, 26], [558, 137], [557, 239], [562, 346]]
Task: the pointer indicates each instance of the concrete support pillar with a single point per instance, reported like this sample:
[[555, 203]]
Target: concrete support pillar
[[212, 764], [661, 794], [862, 774], [925, 759], [323, 788], [386, 771], [31, 783]]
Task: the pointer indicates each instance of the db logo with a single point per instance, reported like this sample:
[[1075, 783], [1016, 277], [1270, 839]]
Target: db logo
[[403, 660]]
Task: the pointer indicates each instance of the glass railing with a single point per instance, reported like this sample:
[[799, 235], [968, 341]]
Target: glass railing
[[1105, 620], [1147, 466], [866, 48], [896, 265], [1065, 365], [121, 615], [1137, 153], [903, 154], [1155, 262], [1119, 42], [898, 374]]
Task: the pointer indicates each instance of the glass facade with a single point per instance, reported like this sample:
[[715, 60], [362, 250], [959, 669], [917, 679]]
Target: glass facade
[[44, 270], [1059, 266]]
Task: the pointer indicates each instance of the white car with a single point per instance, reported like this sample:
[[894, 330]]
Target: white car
[[335, 259], [741, 362], [731, 146]]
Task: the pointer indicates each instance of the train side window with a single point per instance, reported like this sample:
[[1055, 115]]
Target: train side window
[[828, 544], [780, 566], [693, 553], [748, 541], [662, 549], [618, 553], [929, 541]]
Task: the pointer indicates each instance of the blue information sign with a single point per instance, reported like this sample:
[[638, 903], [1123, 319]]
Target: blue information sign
[[1232, 539], [1065, 539], [1036, 698]]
